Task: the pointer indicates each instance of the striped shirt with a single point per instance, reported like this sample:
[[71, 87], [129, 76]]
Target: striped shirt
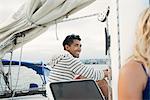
[[64, 67]]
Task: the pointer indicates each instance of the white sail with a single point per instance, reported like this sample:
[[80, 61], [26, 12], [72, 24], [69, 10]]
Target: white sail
[[33, 18]]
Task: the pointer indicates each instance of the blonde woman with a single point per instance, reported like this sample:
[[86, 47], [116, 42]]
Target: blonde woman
[[134, 77]]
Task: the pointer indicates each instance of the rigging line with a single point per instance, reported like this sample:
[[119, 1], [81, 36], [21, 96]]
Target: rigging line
[[9, 71], [20, 58], [56, 30], [118, 29], [5, 77], [1, 72], [1, 84], [76, 18], [43, 80], [1, 67]]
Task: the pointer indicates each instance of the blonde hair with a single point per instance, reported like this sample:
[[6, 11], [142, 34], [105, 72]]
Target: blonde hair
[[142, 47]]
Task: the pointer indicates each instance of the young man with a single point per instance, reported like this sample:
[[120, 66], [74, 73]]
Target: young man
[[66, 66]]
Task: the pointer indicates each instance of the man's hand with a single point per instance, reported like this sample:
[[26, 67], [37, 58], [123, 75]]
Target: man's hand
[[107, 73]]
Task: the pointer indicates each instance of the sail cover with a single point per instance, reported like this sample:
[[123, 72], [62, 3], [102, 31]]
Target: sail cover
[[33, 18]]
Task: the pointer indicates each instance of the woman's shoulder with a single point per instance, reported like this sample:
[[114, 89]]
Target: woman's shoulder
[[131, 66], [131, 81], [133, 71]]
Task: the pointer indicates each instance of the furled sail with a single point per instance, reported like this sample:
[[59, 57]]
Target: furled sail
[[34, 18]]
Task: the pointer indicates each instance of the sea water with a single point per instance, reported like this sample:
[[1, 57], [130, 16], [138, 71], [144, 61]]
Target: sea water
[[22, 77]]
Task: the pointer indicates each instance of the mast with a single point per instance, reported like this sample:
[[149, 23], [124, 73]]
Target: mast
[[123, 19]]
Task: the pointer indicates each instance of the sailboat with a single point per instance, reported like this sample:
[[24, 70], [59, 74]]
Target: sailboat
[[33, 18], [39, 68]]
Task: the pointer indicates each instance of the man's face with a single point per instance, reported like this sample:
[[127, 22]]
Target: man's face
[[74, 48]]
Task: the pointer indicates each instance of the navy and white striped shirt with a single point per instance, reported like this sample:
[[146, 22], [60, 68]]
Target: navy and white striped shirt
[[64, 67]]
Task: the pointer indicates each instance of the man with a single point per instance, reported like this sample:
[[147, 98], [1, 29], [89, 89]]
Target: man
[[66, 66]]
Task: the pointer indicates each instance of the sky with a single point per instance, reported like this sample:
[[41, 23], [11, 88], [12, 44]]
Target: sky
[[91, 31]]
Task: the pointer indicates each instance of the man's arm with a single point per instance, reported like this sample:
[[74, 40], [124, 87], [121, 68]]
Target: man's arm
[[89, 72]]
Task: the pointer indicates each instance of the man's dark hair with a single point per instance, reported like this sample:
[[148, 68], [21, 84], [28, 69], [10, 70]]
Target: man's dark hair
[[69, 39]]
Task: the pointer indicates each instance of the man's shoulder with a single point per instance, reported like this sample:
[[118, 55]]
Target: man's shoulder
[[59, 56], [64, 54]]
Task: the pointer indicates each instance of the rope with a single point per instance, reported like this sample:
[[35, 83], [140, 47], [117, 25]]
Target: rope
[[9, 71], [20, 58], [1, 71], [86, 16], [77, 18], [5, 77], [1, 85]]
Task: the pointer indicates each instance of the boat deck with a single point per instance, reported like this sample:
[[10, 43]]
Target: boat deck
[[31, 97]]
